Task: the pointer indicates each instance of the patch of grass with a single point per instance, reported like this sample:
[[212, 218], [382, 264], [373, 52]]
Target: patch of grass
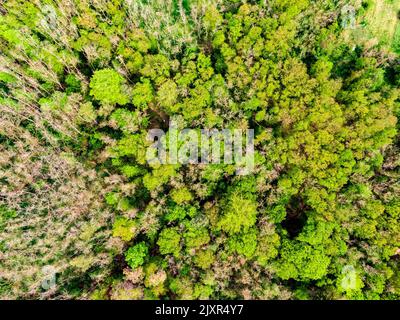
[[396, 40], [378, 24], [382, 21]]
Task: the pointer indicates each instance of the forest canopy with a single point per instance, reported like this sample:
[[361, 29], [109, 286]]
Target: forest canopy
[[83, 81]]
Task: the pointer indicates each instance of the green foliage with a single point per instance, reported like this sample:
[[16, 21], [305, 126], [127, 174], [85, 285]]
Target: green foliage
[[317, 218], [169, 241], [244, 244], [142, 94], [73, 83], [124, 228], [396, 39], [167, 94], [349, 281], [6, 214], [127, 121], [87, 112], [158, 177], [178, 213], [195, 236], [181, 196], [108, 87], [136, 255], [302, 262], [204, 259], [239, 214]]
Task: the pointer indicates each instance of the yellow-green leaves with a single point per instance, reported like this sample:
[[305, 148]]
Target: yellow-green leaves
[[167, 94], [181, 196], [108, 87], [142, 94], [124, 228], [169, 241], [239, 214], [302, 262]]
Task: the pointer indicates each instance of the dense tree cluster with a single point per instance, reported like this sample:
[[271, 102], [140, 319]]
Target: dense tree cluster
[[82, 82]]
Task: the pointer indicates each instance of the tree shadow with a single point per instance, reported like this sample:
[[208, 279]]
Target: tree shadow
[[295, 217]]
